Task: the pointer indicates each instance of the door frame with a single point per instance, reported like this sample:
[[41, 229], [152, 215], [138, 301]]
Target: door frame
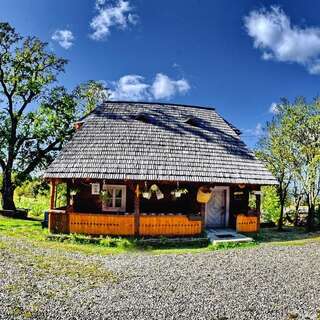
[[227, 190]]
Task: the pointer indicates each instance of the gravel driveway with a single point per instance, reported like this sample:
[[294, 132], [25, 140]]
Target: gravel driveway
[[265, 282]]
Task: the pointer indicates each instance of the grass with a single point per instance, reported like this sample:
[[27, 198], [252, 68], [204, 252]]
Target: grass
[[32, 232], [36, 205], [289, 236]]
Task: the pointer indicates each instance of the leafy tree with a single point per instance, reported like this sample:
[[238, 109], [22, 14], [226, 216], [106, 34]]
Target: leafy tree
[[35, 115], [270, 204], [273, 149], [301, 122], [89, 94]]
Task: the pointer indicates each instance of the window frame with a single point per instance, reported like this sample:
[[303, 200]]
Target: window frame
[[114, 187]]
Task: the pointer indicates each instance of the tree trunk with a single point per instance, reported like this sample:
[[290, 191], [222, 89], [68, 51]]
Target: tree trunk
[[280, 221], [310, 218], [296, 214], [7, 192]]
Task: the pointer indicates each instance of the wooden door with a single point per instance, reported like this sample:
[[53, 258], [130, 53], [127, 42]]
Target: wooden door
[[216, 210]]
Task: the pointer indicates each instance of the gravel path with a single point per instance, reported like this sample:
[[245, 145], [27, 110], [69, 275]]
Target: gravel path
[[265, 282]]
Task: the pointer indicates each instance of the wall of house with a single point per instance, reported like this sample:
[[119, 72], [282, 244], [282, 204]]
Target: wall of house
[[84, 201], [186, 204]]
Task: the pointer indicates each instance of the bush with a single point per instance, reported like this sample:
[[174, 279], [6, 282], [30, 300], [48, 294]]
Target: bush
[[37, 205], [270, 204]]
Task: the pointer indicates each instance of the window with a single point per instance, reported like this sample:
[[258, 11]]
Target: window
[[193, 122], [115, 199]]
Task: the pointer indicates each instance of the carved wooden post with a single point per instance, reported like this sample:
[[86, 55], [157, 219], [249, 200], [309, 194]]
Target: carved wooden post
[[68, 196], [203, 215], [258, 208], [136, 211], [53, 194], [258, 202]]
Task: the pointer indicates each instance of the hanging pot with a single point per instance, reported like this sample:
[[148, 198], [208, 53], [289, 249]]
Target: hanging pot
[[177, 194], [159, 195], [204, 194], [146, 194]]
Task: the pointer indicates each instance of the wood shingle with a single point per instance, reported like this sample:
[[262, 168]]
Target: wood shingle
[[155, 141]]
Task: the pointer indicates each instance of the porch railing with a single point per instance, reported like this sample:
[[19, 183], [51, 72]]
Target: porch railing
[[61, 221]]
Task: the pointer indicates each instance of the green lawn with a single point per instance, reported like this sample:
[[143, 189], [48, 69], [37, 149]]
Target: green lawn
[[32, 232]]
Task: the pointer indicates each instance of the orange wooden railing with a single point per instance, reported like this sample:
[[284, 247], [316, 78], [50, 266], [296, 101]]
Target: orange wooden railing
[[168, 225], [248, 223], [101, 224], [61, 221]]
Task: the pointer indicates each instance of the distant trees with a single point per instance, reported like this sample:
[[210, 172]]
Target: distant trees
[[291, 149], [36, 115]]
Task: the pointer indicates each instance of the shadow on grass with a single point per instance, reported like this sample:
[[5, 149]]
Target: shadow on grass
[[289, 234]]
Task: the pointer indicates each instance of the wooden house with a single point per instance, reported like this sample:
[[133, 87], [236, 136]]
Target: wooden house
[[152, 169]]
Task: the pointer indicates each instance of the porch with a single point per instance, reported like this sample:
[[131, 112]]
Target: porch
[[126, 211]]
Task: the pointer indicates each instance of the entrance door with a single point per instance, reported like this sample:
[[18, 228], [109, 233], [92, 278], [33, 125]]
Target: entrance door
[[216, 209]]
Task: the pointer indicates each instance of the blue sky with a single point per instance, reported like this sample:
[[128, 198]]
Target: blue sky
[[238, 56]]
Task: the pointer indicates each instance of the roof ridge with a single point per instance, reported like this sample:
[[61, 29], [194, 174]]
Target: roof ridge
[[161, 103]]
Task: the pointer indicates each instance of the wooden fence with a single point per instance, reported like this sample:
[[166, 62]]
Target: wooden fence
[[166, 225], [122, 225], [248, 223]]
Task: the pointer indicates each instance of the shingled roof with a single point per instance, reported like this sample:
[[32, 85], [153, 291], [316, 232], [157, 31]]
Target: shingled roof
[[156, 141]]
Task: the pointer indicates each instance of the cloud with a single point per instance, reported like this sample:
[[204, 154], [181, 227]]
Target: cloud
[[117, 15], [279, 40], [130, 87], [165, 88], [273, 108], [134, 87], [257, 131], [64, 38]]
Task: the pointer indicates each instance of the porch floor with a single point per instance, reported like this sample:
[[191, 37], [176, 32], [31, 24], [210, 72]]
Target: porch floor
[[226, 235]]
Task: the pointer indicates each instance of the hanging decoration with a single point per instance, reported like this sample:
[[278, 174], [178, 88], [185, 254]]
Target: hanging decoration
[[146, 193], [204, 194], [178, 192], [155, 189]]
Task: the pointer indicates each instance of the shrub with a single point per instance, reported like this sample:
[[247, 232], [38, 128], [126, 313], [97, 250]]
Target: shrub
[[270, 204]]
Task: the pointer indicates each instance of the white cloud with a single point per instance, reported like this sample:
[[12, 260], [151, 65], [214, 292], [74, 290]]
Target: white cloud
[[130, 87], [134, 87], [279, 40], [273, 108], [64, 38], [117, 15], [165, 88], [257, 131]]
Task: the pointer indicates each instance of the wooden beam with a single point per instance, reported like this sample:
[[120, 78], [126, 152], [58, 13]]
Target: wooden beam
[[52, 194], [258, 203], [136, 213], [203, 216]]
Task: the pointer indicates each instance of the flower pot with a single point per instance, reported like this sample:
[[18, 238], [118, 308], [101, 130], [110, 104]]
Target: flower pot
[[204, 195], [146, 195], [177, 194], [159, 195]]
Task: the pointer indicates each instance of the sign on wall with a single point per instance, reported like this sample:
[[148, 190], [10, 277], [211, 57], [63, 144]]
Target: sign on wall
[[95, 188]]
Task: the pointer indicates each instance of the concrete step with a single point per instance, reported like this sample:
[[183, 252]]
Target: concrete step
[[226, 235]]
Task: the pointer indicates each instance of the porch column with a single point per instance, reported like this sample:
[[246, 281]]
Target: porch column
[[52, 194], [258, 208], [202, 213], [258, 202], [68, 195], [136, 214]]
